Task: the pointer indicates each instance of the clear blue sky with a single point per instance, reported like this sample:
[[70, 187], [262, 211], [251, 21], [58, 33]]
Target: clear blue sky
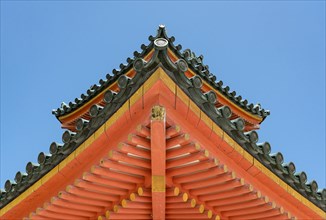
[[269, 52]]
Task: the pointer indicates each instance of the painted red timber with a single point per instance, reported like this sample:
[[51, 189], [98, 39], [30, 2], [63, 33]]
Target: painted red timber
[[180, 112], [158, 153]]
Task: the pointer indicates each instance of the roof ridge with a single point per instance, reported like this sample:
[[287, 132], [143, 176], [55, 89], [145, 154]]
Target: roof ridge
[[194, 62]]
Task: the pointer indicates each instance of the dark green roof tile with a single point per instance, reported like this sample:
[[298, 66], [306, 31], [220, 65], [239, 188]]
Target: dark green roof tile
[[194, 62]]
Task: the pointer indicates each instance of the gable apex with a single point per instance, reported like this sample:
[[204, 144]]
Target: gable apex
[[161, 42]]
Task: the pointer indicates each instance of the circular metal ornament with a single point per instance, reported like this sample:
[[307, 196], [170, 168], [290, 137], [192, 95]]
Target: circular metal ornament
[[18, 177], [79, 124], [279, 158], [41, 158], [8, 185], [211, 97], [139, 64], [66, 136], [161, 43], [253, 138], [182, 65], [109, 96], [303, 177], [291, 167], [197, 82], [239, 123], [267, 148], [226, 112], [94, 110], [53, 148], [29, 167], [314, 186], [123, 81]]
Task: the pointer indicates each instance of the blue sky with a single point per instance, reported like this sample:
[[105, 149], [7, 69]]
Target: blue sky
[[268, 52]]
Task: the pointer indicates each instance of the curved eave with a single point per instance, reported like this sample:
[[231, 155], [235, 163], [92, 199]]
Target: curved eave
[[68, 120]]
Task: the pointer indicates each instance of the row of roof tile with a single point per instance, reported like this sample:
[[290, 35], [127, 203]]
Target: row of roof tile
[[194, 62]]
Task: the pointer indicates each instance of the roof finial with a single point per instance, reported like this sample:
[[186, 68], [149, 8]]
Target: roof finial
[[161, 32]]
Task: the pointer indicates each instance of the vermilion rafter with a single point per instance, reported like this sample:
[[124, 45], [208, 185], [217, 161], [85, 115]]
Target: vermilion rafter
[[218, 189]]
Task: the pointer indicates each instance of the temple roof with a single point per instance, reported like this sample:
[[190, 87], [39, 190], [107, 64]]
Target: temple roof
[[192, 87], [194, 62]]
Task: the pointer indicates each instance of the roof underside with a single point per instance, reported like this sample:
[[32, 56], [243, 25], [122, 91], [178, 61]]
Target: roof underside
[[198, 185], [205, 100], [113, 177]]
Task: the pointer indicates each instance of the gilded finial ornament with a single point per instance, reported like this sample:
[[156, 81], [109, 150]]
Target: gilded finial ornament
[[158, 113]]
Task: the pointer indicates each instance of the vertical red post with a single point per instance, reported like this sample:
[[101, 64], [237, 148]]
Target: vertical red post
[[158, 158]]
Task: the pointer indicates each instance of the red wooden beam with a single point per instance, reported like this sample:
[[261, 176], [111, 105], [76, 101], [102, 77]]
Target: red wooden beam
[[120, 209], [123, 216], [77, 199], [124, 167], [67, 204], [158, 155], [179, 151], [99, 188], [181, 204], [242, 205]]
